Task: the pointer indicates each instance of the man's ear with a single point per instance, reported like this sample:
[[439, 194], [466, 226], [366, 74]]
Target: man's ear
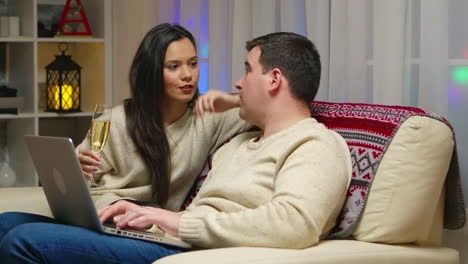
[[276, 78]]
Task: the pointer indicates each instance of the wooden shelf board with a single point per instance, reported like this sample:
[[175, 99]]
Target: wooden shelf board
[[72, 39], [52, 115]]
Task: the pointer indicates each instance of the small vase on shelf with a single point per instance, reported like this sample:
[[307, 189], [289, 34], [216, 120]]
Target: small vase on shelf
[[7, 175]]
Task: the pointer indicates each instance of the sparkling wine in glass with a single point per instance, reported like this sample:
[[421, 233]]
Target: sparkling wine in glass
[[99, 132]]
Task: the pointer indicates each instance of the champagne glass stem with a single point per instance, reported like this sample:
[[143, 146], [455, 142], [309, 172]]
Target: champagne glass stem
[[91, 181]]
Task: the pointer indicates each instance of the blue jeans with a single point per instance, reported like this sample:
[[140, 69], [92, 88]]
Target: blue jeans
[[29, 238]]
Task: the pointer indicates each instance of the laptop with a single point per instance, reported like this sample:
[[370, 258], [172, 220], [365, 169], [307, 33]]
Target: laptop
[[67, 193]]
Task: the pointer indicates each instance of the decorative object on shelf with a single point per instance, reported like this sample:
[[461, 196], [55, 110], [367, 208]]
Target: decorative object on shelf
[[3, 7], [48, 17], [10, 26], [3, 63], [4, 27], [5, 91], [14, 26], [7, 174], [63, 81], [9, 103], [73, 21]]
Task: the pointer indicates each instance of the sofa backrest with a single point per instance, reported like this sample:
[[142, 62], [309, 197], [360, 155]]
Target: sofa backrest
[[400, 161]]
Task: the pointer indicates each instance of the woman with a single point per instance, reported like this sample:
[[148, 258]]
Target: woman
[[157, 144], [159, 139]]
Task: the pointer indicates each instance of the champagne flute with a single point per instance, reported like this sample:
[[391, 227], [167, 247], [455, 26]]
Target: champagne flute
[[99, 132]]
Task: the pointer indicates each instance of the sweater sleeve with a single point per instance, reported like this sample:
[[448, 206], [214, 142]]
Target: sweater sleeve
[[122, 174], [309, 187]]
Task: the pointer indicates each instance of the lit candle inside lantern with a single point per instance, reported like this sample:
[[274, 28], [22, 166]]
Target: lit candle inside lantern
[[67, 101]]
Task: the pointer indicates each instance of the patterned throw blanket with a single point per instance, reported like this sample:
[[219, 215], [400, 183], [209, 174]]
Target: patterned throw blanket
[[368, 130]]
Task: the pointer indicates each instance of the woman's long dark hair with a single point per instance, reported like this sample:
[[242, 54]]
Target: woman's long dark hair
[[144, 109]]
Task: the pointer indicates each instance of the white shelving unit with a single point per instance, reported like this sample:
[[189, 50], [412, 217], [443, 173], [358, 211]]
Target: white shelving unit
[[26, 58]]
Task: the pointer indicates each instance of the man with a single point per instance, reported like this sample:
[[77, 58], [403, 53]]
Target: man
[[282, 187]]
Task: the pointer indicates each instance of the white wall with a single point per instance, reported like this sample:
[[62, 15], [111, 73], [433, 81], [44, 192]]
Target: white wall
[[132, 19]]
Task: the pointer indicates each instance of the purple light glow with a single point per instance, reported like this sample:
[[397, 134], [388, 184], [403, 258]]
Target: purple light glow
[[204, 75], [189, 23], [455, 94], [176, 12]]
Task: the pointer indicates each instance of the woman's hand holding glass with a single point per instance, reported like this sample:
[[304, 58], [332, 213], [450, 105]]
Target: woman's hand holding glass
[[89, 161]]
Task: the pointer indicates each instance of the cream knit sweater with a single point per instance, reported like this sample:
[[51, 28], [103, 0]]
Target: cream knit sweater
[[123, 174], [285, 191]]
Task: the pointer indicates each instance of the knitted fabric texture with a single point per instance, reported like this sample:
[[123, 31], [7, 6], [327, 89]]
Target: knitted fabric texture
[[198, 183], [368, 129]]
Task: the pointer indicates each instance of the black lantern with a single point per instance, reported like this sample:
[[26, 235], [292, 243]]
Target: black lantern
[[63, 81]]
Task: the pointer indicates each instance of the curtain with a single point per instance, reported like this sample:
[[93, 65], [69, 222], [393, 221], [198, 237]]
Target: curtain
[[395, 52], [390, 52], [229, 24], [385, 52]]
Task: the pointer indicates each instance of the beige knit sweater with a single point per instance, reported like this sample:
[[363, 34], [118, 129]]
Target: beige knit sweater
[[123, 174], [285, 191]]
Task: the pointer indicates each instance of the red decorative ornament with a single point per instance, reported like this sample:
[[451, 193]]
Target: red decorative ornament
[[73, 21]]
